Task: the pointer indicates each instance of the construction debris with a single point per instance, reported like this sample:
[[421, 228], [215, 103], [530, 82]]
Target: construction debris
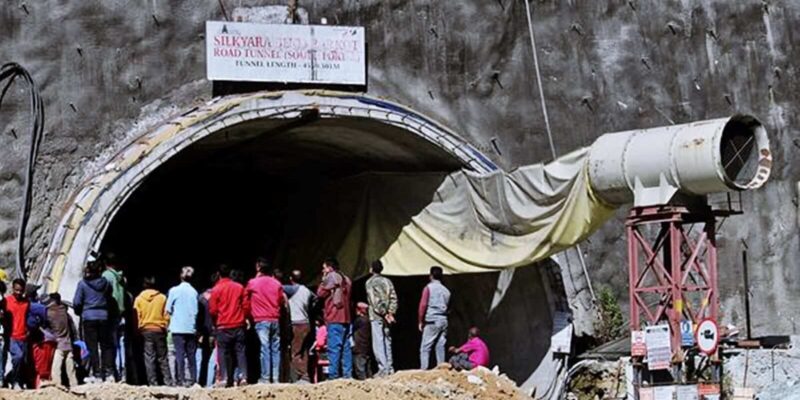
[[440, 383], [598, 380]]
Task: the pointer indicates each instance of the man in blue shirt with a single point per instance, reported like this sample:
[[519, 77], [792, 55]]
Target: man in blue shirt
[[182, 308]]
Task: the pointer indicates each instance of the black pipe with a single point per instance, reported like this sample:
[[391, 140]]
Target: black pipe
[[746, 293], [8, 73]]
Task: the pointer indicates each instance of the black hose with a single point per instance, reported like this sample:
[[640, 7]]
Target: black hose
[[8, 73]]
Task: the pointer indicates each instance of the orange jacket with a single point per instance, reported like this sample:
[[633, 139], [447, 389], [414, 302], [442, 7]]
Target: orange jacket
[[151, 312]]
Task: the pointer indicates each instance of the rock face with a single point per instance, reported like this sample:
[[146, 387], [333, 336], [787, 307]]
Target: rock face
[[107, 70], [771, 373]]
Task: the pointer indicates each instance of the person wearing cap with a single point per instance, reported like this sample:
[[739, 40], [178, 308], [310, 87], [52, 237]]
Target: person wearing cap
[[362, 343], [182, 309]]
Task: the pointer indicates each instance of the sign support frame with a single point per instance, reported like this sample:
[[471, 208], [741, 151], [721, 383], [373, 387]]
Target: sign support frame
[[672, 259]]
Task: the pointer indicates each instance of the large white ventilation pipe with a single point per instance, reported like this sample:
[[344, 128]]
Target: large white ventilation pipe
[[649, 166]]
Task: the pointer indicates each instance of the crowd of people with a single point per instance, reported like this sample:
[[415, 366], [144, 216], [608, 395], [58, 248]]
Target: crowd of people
[[184, 337]]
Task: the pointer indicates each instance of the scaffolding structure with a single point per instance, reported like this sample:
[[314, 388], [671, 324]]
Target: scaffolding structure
[[672, 272]]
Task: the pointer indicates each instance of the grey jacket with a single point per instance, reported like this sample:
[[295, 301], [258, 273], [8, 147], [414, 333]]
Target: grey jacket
[[438, 302]]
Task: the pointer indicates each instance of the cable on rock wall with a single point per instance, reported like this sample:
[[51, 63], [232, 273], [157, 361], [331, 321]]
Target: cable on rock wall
[[8, 73], [550, 133], [554, 391]]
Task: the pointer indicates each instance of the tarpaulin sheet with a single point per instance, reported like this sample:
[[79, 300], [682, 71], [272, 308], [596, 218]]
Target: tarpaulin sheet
[[463, 221], [489, 222], [355, 219]]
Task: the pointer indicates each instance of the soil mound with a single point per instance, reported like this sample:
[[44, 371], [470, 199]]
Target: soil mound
[[440, 383]]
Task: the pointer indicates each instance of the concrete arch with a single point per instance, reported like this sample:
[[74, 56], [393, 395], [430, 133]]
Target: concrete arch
[[92, 206]]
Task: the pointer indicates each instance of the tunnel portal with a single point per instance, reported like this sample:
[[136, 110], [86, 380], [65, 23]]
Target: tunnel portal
[[295, 177]]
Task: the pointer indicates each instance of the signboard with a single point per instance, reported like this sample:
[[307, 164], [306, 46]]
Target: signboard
[[707, 336], [646, 393], [561, 342], [687, 392], [638, 347], [324, 54], [664, 393], [659, 351], [708, 391], [687, 334]]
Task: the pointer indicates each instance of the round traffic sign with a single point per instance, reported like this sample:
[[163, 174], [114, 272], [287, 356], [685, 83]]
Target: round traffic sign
[[707, 336]]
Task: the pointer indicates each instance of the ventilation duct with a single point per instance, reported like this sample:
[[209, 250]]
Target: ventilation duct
[[649, 166]]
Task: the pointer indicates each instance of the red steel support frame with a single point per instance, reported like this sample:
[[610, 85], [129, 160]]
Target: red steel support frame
[[672, 272]]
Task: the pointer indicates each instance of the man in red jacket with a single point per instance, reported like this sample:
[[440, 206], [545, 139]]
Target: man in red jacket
[[335, 289], [267, 301], [17, 306], [228, 307]]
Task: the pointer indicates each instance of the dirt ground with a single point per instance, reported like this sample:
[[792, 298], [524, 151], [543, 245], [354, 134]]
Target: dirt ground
[[441, 383]]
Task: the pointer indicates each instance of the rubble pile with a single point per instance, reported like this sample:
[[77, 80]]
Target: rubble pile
[[598, 380], [440, 383]]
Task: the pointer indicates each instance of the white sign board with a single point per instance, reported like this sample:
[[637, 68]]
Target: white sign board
[[646, 393], [638, 345], [659, 351], [664, 393], [687, 392], [325, 54], [708, 391]]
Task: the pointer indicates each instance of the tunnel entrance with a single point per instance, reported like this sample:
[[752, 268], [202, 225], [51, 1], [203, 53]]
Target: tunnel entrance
[[293, 191], [295, 177], [294, 144]]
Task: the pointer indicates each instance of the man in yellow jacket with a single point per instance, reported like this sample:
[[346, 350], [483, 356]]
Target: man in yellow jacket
[[152, 318]]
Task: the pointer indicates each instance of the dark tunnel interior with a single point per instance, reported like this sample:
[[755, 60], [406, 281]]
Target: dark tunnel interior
[[263, 189], [298, 191]]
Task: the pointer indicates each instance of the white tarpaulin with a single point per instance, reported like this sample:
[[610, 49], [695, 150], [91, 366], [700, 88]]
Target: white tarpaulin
[[489, 222], [465, 222]]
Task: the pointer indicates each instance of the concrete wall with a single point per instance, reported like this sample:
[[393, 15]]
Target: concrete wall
[[107, 69]]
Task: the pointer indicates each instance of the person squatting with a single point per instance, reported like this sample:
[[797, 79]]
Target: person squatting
[[210, 338]]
